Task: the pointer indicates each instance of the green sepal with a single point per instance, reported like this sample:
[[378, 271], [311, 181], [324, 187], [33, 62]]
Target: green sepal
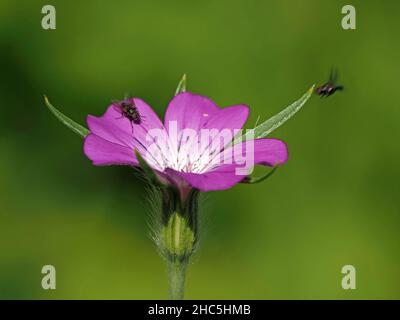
[[147, 170], [253, 179], [179, 222], [71, 124], [181, 85], [178, 238], [265, 128]]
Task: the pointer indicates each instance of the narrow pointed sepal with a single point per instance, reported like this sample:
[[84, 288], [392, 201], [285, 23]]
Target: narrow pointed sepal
[[68, 122], [253, 179], [181, 85], [148, 172], [265, 128]]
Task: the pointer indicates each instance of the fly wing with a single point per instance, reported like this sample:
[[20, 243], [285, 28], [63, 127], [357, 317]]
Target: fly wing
[[333, 75], [128, 96]]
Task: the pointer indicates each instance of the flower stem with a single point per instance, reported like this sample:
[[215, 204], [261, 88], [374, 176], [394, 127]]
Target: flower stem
[[177, 239], [176, 278]]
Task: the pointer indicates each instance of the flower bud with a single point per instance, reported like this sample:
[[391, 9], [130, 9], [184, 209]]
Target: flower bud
[[178, 238]]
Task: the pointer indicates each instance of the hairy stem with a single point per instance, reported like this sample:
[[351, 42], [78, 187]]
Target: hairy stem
[[176, 277], [177, 239]]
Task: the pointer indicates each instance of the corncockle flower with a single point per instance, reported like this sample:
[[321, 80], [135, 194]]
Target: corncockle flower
[[198, 148], [182, 157]]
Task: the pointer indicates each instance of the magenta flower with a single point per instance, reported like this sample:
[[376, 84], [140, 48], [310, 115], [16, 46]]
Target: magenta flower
[[199, 147], [177, 156]]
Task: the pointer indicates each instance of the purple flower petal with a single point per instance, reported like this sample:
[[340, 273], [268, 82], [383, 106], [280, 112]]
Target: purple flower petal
[[225, 124], [189, 111], [107, 128], [268, 152], [117, 129], [103, 152], [232, 118], [186, 111], [114, 127], [220, 178]]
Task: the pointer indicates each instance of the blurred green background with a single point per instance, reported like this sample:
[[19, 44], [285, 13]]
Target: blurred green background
[[335, 202]]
